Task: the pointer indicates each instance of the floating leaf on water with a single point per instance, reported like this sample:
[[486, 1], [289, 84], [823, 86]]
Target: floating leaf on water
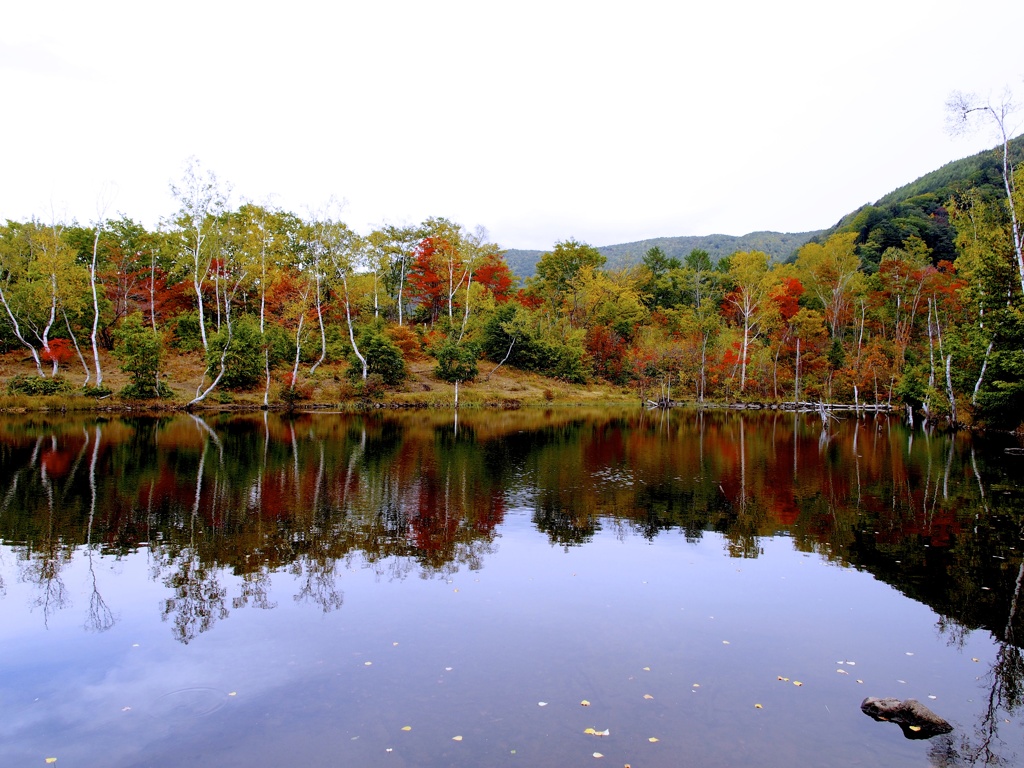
[[842, 672], [758, 706], [653, 739], [783, 679], [647, 669], [598, 754], [406, 727], [590, 732], [797, 683], [584, 703], [648, 696], [456, 738]]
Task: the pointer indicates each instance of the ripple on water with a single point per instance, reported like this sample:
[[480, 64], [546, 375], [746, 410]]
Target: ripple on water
[[186, 704]]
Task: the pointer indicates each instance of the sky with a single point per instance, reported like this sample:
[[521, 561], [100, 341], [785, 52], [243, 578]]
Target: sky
[[540, 121]]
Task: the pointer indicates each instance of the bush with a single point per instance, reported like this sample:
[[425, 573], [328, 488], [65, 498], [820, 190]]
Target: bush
[[243, 363], [102, 391], [145, 391], [35, 386], [383, 357], [186, 332], [140, 350]]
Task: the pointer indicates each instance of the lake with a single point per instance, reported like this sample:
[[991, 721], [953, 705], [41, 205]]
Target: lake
[[561, 587]]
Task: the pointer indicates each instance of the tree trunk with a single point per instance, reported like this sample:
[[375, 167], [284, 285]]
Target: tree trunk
[[95, 309]]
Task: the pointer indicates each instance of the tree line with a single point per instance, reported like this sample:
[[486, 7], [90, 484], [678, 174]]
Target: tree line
[[266, 297]]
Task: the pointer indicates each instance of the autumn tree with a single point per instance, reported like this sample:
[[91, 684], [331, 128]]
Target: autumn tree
[[201, 201], [751, 283]]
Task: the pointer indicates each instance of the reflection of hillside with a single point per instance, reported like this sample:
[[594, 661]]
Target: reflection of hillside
[[404, 493]]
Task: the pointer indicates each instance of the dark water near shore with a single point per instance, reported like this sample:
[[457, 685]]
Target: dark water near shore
[[722, 589]]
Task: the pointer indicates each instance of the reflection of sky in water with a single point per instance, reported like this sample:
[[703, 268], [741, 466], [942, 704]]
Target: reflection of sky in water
[[472, 655]]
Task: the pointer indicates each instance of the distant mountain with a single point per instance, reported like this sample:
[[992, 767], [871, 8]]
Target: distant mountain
[[778, 245]]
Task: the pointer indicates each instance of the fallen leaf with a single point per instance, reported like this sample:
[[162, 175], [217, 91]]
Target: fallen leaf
[[590, 732], [406, 727], [783, 679], [653, 739], [584, 703], [456, 738], [797, 683], [758, 706], [648, 696]]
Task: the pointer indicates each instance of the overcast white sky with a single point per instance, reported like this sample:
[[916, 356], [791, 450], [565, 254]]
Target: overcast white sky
[[538, 120]]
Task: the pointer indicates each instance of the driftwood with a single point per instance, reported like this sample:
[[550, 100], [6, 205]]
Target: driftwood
[[916, 720]]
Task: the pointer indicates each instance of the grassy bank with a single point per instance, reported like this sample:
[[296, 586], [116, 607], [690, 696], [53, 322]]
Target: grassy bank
[[328, 387]]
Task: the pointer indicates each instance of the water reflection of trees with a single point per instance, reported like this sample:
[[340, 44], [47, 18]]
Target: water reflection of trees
[[311, 495]]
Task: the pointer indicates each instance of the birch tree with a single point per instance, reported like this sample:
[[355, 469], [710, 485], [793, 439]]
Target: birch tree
[[201, 201], [963, 111]]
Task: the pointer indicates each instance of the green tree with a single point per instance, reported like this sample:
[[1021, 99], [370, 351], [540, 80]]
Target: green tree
[[140, 350], [456, 362]]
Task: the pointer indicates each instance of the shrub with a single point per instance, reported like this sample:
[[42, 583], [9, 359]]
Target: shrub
[[243, 364], [140, 350], [382, 357], [186, 332], [23, 384], [101, 391]]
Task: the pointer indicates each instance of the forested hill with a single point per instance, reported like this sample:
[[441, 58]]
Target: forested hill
[[919, 210], [778, 245]]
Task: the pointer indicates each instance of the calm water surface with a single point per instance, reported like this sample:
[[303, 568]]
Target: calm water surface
[[337, 590]]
